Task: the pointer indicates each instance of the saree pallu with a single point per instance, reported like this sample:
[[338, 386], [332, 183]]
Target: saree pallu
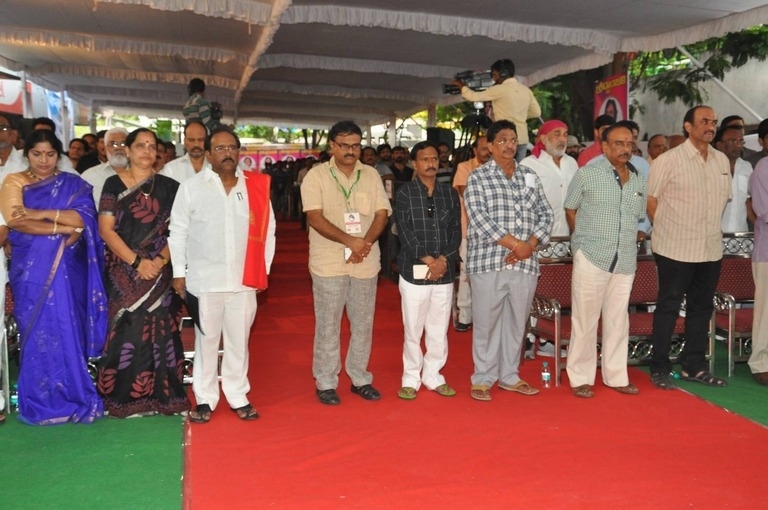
[[141, 370], [60, 307]]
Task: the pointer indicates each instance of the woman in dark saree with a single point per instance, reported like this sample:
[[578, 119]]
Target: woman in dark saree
[[56, 278], [140, 372]]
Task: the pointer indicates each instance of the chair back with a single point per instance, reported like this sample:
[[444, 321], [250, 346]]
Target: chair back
[[736, 278], [555, 282]]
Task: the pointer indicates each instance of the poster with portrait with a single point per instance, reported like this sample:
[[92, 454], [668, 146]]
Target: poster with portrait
[[611, 97]]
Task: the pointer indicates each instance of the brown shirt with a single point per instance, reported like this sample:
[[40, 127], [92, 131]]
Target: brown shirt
[[321, 191]]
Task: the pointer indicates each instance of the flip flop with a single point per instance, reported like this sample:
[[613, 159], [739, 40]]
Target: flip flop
[[481, 392], [521, 387], [445, 390], [407, 393]]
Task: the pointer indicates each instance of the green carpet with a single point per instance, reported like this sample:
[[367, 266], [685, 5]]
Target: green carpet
[[120, 464], [742, 395]]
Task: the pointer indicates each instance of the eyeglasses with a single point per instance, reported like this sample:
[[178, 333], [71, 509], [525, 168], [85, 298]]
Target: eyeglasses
[[115, 145], [346, 147], [739, 141], [622, 145], [505, 141], [144, 147], [4, 128], [226, 148], [430, 206]]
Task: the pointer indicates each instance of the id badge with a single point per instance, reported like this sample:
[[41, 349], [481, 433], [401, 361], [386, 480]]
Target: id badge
[[352, 223]]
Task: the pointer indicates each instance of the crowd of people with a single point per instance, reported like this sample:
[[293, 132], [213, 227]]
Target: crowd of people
[[103, 265], [607, 198], [111, 281]]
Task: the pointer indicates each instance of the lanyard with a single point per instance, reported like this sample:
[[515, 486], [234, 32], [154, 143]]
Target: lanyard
[[347, 193]]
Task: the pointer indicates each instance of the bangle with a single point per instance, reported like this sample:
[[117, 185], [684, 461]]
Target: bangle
[[56, 218], [55, 227], [136, 262], [165, 260], [514, 246]]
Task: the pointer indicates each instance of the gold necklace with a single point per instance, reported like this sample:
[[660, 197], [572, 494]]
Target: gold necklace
[[37, 178], [141, 190]]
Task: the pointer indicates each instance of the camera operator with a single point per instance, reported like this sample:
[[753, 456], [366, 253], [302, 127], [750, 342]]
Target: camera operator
[[511, 100]]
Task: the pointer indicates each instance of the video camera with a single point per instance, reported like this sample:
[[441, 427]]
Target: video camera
[[216, 110], [476, 80]]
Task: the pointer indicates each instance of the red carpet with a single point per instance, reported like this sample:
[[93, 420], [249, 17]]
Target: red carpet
[[655, 450]]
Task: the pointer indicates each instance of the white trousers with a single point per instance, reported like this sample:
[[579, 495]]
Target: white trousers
[[758, 360], [426, 309], [464, 295], [594, 291], [227, 315]]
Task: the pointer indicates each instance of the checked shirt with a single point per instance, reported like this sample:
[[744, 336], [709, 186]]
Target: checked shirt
[[497, 206]]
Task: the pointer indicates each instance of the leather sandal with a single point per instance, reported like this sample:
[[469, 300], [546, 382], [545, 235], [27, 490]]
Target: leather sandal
[[246, 413], [629, 389], [366, 391], [583, 391], [407, 393], [706, 378], [201, 414]]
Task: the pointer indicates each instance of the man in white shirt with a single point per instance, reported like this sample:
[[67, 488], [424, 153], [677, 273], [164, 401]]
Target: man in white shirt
[[464, 294], [555, 169], [117, 161], [730, 141], [213, 250], [193, 161], [11, 159]]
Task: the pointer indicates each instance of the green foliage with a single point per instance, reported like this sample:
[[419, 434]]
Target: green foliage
[[673, 76]]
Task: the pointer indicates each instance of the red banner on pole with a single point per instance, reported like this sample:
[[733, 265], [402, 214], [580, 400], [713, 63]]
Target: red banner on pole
[[612, 97]]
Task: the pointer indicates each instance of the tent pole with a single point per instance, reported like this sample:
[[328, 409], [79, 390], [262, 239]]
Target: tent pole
[[722, 85]]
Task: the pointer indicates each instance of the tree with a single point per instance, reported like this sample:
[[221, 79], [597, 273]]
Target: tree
[[673, 76]]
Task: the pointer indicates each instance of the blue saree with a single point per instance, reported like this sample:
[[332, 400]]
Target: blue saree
[[60, 307]]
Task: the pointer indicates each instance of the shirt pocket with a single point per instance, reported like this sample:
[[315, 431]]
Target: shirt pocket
[[363, 204]]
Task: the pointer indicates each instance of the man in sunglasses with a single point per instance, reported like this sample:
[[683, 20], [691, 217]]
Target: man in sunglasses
[[117, 161]]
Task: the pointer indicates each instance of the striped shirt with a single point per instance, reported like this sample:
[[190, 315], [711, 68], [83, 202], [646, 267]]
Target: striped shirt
[[607, 216], [691, 195], [427, 227], [498, 206]]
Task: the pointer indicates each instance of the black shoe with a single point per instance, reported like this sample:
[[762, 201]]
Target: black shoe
[[328, 397], [461, 327], [366, 391]]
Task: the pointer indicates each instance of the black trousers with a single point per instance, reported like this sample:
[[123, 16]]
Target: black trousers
[[697, 282]]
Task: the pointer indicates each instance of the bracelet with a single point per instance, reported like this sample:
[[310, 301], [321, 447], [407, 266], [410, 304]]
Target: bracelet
[[136, 262], [165, 260], [55, 227], [56, 218]]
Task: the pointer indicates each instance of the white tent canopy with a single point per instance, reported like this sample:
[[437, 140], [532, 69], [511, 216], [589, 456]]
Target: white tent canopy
[[311, 63]]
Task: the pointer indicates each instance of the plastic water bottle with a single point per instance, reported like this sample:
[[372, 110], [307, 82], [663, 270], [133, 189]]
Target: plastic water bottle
[[546, 376]]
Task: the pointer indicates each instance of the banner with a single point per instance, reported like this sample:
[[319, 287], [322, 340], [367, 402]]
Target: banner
[[611, 97], [257, 159]]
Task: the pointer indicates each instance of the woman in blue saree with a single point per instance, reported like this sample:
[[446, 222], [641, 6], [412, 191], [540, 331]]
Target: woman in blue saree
[[56, 277]]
